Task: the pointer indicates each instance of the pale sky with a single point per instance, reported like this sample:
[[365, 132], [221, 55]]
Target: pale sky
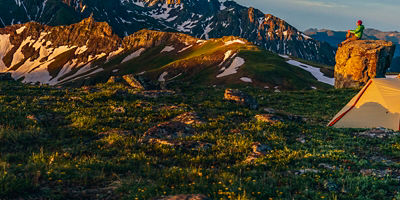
[[332, 14]]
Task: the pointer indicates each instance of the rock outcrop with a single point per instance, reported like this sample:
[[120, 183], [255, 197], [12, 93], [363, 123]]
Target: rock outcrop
[[240, 97], [359, 61]]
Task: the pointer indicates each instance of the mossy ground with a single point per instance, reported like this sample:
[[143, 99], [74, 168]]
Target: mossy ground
[[51, 146]]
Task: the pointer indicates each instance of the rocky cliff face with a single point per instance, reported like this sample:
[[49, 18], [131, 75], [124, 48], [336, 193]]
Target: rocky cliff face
[[200, 18], [359, 61]]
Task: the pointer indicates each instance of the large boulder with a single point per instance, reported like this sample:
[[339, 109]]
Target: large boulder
[[359, 61], [240, 97]]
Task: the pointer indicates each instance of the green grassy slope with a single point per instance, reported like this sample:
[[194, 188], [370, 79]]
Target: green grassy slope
[[52, 145], [201, 63]]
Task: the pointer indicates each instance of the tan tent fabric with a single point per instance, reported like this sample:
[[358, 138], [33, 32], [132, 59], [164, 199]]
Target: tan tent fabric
[[376, 105]]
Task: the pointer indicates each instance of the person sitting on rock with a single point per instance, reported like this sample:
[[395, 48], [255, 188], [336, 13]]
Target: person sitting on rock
[[353, 35]]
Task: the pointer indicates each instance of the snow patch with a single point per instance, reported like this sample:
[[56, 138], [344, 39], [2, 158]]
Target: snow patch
[[246, 79], [114, 53], [187, 25], [133, 55], [80, 50], [284, 56], [222, 6], [232, 69], [184, 49], [167, 49], [20, 30], [391, 76], [227, 55], [139, 3], [235, 41], [207, 30], [162, 77], [306, 36], [164, 14], [316, 72], [171, 19], [5, 46]]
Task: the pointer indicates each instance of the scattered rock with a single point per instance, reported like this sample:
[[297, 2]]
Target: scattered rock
[[305, 171], [184, 197], [258, 150], [296, 118], [33, 118], [168, 108], [283, 116], [301, 139], [114, 79], [90, 89], [168, 132], [6, 77], [270, 110], [381, 173], [74, 98], [241, 98], [378, 133], [155, 93], [327, 166], [382, 160], [120, 93], [268, 118], [47, 118], [187, 145], [116, 131], [359, 61], [119, 110], [188, 118], [133, 82]]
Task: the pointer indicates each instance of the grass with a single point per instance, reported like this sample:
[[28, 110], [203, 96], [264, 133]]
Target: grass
[[52, 146]]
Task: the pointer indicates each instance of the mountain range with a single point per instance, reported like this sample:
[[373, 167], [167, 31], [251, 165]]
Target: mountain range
[[336, 37], [89, 52], [199, 18]]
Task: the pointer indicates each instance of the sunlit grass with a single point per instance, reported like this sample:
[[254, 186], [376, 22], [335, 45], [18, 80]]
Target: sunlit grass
[[69, 143]]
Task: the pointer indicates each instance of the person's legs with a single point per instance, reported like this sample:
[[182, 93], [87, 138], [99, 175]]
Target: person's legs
[[353, 38], [349, 37]]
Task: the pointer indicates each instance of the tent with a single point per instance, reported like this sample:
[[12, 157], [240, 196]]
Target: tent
[[376, 105]]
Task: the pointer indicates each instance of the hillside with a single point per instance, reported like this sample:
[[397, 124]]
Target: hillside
[[88, 52], [90, 143], [200, 18], [336, 37]]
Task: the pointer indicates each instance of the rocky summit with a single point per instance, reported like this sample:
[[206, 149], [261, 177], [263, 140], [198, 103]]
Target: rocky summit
[[359, 61], [200, 18]]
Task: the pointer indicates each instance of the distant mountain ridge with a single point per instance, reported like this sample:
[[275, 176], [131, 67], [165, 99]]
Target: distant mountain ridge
[[89, 52], [336, 37], [199, 18]]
